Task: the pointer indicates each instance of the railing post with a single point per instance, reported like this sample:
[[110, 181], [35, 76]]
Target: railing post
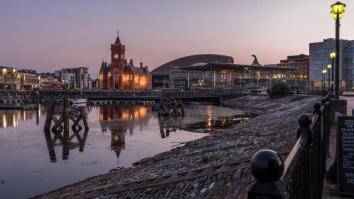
[[267, 167]]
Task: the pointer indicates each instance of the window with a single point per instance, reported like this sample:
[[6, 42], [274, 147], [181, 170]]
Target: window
[[349, 61], [320, 61], [322, 51]]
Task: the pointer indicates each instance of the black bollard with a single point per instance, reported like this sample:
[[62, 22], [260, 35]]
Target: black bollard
[[267, 168]]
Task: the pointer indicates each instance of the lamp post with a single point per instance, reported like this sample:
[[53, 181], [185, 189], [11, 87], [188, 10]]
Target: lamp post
[[337, 14], [332, 56], [329, 67], [324, 71]]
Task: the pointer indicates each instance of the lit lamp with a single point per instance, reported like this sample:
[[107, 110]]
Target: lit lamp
[[332, 55], [324, 71], [337, 12], [329, 67]]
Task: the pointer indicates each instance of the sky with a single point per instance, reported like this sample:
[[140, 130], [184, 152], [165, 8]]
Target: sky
[[47, 35]]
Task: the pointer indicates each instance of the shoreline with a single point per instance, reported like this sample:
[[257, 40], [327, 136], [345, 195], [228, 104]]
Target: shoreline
[[274, 128]]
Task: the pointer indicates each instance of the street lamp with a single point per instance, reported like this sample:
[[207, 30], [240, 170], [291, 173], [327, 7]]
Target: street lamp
[[332, 55], [337, 14], [324, 71], [329, 67]]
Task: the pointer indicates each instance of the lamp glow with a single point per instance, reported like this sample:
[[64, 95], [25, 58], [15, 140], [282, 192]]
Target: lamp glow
[[334, 16], [329, 66], [332, 55], [324, 71], [338, 8]]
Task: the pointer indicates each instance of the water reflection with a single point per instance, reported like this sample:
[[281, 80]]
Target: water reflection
[[72, 141], [169, 124], [60, 118], [12, 117], [222, 122], [121, 120]]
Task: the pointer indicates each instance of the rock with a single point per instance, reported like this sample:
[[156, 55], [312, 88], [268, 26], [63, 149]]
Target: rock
[[204, 190], [211, 185]]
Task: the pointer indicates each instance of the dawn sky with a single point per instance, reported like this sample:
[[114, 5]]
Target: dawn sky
[[47, 35]]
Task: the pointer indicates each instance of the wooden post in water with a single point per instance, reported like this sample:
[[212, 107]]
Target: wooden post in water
[[58, 123], [66, 130]]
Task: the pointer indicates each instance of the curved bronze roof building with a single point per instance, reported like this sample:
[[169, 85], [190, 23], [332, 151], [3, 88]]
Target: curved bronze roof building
[[160, 75], [190, 60]]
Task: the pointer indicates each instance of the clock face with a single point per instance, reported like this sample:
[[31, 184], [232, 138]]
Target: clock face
[[115, 56]]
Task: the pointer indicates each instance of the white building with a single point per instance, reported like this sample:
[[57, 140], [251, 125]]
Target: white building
[[75, 78]]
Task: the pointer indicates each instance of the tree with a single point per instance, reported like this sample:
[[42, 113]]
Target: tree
[[279, 89]]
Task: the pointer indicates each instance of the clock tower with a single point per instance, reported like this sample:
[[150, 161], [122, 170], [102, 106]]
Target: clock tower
[[118, 60], [117, 54]]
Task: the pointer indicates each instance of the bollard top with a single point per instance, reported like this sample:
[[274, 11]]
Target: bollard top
[[317, 106], [267, 166], [305, 120], [324, 100]]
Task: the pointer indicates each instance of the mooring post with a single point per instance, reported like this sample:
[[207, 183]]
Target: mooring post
[[37, 112], [66, 131], [267, 167], [49, 117]]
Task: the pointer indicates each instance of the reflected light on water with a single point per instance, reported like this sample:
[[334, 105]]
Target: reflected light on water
[[4, 121], [12, 118], [210, 117]]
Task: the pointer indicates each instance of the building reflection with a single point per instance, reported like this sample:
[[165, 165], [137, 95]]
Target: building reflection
[[120, 120], [12, 117]]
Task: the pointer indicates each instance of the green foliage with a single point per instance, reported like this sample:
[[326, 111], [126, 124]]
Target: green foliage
[[204, 159], [279, 89]]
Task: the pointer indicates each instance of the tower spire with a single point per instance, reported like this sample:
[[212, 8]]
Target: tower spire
[[117, 39]]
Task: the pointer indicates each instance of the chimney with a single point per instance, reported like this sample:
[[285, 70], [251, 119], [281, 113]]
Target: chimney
[[131, 62], [141, 64]]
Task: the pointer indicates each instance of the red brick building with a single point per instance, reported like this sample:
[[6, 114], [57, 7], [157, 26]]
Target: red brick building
[[298, 62], [123, 75]]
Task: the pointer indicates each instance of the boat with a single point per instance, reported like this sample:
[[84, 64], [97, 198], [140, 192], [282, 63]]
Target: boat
[[78, 102]]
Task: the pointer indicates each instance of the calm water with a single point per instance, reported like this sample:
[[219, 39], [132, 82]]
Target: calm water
[[118, 136]]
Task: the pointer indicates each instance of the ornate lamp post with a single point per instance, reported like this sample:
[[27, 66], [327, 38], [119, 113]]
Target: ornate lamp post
[[337, 14], [324, 71], [329, 67], [332, 55]]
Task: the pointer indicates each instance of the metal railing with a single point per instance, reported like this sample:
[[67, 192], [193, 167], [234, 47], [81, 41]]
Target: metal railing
[[303, 171]]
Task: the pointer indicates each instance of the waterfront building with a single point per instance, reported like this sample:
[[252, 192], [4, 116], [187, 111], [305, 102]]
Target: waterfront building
[[298, 62], [9, 78], [75, 78], [161, 74], [319, 59], [49, 81], [301, 65], [95, 84], [222, 75], [216, 74], [29, 79], [123, 75]]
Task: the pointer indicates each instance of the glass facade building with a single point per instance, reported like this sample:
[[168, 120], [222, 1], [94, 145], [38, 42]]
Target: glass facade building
[[319, 59]]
